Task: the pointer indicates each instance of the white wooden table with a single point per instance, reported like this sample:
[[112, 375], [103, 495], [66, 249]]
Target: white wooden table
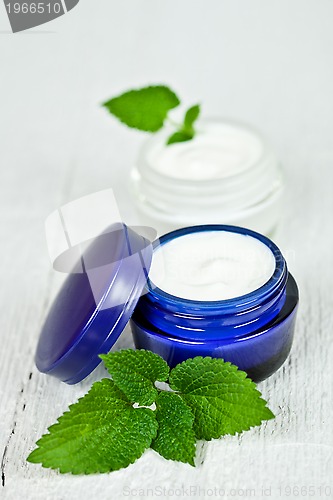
[[268, 63]]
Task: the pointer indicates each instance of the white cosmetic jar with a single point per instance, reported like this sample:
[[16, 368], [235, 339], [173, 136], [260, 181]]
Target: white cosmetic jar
[[227, 174]]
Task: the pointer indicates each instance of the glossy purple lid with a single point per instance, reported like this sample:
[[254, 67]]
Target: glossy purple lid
[[94, 304]]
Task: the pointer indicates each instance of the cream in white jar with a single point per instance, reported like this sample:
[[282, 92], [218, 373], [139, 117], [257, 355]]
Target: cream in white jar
[[227, 174], [217, 151]]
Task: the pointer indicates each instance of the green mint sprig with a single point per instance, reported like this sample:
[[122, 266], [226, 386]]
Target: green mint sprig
[[112, 425], [147, 109]]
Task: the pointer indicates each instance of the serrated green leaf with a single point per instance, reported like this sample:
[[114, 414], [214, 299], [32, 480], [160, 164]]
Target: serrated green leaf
[[222, 398], [135, 373], [175, 438], [179, 137], [102, 432], [144, 109], [192, 114]]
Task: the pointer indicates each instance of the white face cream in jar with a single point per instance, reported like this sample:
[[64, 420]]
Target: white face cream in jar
[[219, 291], [210, 266], [227, 174]]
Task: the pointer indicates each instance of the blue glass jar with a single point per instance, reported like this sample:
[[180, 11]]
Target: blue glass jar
[[253, 331]]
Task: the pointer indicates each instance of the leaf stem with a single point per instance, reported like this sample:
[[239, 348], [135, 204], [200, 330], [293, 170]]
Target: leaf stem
[[177, 125]]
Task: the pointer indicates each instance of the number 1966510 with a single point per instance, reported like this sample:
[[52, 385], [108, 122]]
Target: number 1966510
[[34, 8]]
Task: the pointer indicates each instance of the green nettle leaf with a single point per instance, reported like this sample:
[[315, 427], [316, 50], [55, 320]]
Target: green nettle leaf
[[144, 109], [186, 131], [104, 432], [135, 373], [100, 433], [179, 137], [222, 398], [175, 439], [192, 114]]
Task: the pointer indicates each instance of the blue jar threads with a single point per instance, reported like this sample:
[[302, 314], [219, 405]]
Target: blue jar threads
[[253, 331]]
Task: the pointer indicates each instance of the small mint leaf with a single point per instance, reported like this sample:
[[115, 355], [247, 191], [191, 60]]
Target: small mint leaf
[[175, 438], [102, 432], [143, 109], [186, 132], [192, 114], [221, 397], [135, 373], [179, 137]]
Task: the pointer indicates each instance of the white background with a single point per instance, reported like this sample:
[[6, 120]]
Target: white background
[[265, 62]]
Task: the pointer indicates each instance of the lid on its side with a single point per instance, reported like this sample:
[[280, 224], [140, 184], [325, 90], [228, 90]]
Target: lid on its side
[[95, 304]]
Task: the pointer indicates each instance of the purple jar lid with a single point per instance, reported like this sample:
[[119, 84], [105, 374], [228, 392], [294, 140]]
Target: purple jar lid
[[94, 304]]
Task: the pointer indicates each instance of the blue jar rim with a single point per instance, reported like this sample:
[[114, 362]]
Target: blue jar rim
[[248, 300]]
